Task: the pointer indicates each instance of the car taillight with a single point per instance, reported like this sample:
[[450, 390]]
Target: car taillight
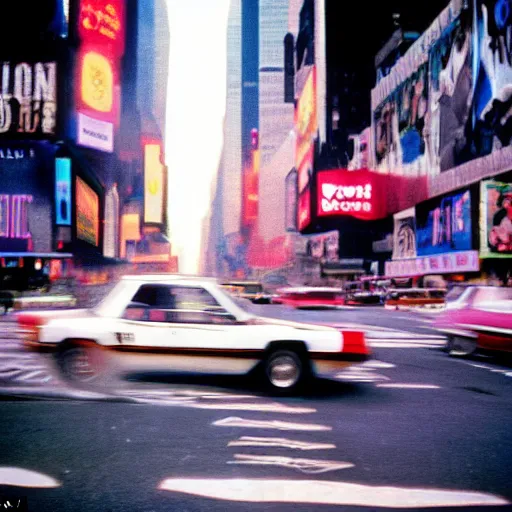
[[354, 343], [29, 325]]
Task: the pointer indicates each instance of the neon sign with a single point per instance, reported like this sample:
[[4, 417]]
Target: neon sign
[[346, 199], [102, 22], [14, 216]]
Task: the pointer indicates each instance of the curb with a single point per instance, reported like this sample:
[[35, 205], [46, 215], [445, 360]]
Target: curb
[[63, 394]]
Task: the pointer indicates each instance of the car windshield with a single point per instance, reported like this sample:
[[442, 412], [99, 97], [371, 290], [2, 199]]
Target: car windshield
[[486, 295], [455, 293], [253, 288]]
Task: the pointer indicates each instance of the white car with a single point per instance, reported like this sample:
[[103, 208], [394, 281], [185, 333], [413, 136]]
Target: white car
[[167, 322]]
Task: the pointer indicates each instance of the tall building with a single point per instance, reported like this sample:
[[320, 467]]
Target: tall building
[[232, 154]]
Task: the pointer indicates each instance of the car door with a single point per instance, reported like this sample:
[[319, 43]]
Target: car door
[[208, 338]]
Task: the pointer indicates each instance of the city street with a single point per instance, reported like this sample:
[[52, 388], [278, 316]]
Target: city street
[[434, 428]]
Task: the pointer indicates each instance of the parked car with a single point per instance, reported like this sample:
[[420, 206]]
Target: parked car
[[251, 290], [186, 324], [479, 320], [310, 297]]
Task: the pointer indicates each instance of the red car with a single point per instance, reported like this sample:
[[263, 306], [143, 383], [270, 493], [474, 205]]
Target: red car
[[482, 321], [310, 297]]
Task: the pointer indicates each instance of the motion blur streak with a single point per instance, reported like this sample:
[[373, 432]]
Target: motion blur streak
[[327, 493], [17, 477], [277, 442], [277, 425]]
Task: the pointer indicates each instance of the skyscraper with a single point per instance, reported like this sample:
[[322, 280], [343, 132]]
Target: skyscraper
[[232, 155]]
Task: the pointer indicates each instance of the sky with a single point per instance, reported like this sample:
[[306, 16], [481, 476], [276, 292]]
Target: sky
[[195, 112]]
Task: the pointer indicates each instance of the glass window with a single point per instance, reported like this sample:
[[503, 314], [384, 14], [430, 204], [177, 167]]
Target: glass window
[[175, 304], [492, 294]]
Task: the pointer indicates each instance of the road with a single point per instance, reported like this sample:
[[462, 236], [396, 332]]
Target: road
[[435, 429]]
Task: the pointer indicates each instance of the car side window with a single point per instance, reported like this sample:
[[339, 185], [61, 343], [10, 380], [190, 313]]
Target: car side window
[[175, 304]]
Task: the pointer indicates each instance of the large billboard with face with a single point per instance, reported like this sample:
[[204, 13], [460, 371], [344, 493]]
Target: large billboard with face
[[447, 102], [87, 213], [495, 220]]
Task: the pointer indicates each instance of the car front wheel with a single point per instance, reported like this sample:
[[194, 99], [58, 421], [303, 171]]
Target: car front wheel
[[284, 371]]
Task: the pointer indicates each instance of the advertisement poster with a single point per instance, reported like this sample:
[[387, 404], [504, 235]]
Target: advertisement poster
[[404, 237], [63, 191], [495, 220], [304, 210], [87, 213], [153, 184], [306, 127], [28, 99], [448, 100], [324, 246], [446, 226]]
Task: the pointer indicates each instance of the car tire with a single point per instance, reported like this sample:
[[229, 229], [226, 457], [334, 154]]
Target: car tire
[[83, 364], [459, 346], [284, 371]]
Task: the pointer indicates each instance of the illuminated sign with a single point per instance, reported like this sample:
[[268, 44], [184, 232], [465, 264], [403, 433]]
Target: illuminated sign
[[453, 262], [360, 194], [87, 213], [495, 220], [95, 134], [28, 98], [14, 216], [306, 126], [102, 22], [304, 210], [153, 184], [97, 82], [251, 191], [63, 191], [305, 169]]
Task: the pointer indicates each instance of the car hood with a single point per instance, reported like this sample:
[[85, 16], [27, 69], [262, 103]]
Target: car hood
[[259, 320]]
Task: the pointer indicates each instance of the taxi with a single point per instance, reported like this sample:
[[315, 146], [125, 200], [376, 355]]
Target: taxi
[[178, 323]]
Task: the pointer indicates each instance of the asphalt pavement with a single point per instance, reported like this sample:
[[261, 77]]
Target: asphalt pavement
[[410, 429]]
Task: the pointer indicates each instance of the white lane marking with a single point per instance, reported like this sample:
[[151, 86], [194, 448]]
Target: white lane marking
[[19, 477], [308, 466], [275, 425], [276, 408], [31, 375], [320, 492], [377, 364], [408, 386], [391, 344], [277, 442]]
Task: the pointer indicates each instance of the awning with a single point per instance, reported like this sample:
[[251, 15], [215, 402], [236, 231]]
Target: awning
[[342, 271], [42, 255]]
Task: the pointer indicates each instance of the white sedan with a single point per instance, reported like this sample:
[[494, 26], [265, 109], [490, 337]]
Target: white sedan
[[179, 323]]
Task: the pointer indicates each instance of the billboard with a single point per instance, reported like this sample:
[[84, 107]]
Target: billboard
[[304, 210], [102, 22], [445, 226], [251, 180], [154, 184], [28, 99], [324, 246], [446, 103], [495, 220], [63, 191], [404, 235], [87, 213], [290, 217], [306, 126], [345, 193]]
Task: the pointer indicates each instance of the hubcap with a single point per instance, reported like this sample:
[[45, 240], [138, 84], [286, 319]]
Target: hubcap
[[78, 365], [283, 371]]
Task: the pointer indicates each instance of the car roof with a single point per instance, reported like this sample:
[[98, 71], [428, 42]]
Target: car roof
[[156, 278]]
